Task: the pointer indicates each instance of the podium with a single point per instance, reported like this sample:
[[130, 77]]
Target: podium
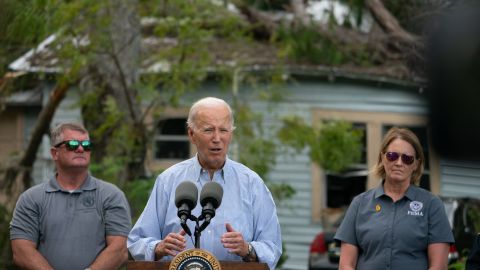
[[157, 265]]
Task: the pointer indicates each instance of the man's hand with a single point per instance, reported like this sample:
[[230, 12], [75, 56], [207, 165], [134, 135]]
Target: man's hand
[[171, 245], [234, 242]]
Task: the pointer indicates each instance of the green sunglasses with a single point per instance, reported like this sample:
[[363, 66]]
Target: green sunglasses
[[73, 145]]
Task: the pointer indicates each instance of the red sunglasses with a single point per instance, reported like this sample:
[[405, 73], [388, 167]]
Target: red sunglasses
[[393, 156]]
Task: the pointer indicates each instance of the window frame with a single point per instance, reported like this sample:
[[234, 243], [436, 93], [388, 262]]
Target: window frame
[[156, 165]]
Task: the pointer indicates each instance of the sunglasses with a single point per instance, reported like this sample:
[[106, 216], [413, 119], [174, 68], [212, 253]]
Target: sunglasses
[[73, 145], [392, 156]]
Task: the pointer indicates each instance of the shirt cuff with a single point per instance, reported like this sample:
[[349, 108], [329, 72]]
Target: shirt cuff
[[150, 252]]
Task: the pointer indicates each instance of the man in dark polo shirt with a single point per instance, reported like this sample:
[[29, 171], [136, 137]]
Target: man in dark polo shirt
[[73, 221]]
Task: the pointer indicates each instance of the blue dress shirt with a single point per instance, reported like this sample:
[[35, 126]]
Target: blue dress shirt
[[247, 205]]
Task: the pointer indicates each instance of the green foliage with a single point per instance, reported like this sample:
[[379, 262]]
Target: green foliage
[[296, 133], [284, 256], [257, 153], [458, 265], [338, 146], [108, 168], [356, 11], [269, 4], [137, 193], [22, 27], [473, 214], [335, 145], [309, 45], [5, 218], [281, 191], [411, 13]]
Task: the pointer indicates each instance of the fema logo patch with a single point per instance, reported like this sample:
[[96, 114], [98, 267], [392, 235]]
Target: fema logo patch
[[88, 201], [416, 208]]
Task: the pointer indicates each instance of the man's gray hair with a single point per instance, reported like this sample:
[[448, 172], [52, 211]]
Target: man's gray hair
[[207, 102], [56, 133]]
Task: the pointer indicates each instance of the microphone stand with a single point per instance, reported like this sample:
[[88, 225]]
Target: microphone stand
[[198, 228], [197, 234]]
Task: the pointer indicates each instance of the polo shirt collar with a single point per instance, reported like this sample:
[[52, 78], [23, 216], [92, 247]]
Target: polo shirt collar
[[379, 190], [53, 186], [225, 172], [410, 193]]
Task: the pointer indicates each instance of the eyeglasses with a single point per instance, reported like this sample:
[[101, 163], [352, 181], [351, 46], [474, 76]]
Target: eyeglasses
[[392, 156], [73, 145]]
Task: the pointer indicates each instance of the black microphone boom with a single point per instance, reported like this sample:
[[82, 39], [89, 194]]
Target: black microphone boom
[[210, 199], [186, 196]]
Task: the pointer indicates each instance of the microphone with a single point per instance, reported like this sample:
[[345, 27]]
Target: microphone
[[210, 199], [186, 196]]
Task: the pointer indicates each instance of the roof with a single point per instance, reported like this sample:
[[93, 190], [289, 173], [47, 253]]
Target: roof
[[25, 98], [254, 56]]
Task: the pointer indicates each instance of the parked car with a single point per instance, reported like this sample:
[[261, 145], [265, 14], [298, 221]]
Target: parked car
[[320, 257], [463, 215]]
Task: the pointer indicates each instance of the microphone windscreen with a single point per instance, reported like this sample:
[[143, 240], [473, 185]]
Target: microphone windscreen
[[211, 192], [187, 193]]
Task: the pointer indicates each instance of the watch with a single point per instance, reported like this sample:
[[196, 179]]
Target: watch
[[250, 255]]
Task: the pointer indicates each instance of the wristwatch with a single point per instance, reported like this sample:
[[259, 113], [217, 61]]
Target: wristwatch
[[250, 257]]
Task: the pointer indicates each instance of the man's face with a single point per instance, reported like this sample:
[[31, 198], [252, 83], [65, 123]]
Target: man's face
[[212, 135], [67, 159]]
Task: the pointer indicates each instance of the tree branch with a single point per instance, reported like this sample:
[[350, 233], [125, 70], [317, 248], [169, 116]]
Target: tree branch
[[389, 23]]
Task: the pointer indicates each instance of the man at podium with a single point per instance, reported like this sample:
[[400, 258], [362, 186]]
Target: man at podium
[[245, 226]]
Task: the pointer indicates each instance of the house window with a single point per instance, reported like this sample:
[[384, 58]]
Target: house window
[[171, 139], [342, 187]]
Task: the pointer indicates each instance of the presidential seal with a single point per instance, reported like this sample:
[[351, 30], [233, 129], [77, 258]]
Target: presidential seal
[[194, 259]]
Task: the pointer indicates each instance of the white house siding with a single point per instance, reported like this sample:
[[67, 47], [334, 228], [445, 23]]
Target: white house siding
[[460, 179]]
